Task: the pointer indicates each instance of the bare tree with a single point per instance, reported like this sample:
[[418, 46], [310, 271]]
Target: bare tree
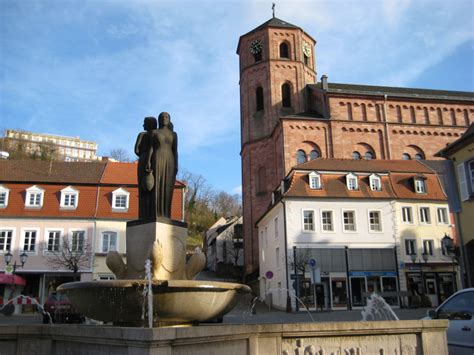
[[119, 154], [72, 254], [299, 262]]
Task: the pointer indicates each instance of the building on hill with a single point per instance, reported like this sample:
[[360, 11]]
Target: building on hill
[[287, 118], [366, 226], [461, 155], [47, 205], [50, 145]]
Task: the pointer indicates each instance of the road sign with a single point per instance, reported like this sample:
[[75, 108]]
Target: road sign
[[269, 275], [312, 263]]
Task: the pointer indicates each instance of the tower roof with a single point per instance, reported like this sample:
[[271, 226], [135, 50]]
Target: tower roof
[[275, 23]]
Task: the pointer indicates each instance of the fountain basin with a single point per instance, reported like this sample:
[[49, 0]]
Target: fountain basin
[[174, 301]]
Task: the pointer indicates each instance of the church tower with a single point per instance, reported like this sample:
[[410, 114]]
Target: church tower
[[276, 63]]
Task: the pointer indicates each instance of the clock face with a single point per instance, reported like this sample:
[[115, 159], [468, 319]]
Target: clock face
[[306, 49], [256, 46]]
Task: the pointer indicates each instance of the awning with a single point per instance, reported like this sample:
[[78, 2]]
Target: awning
[[12, 279]]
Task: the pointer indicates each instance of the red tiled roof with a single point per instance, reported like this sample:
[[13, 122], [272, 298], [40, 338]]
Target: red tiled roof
[[369, 166]]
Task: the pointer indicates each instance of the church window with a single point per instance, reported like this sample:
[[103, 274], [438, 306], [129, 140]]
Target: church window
[[406, 156], [453, 117], [349, 111], [466, 118], [369, 155], [419, 156], [286, 95], [363, 109], [399, 114], [259, 98], [440, 116], [378, 112], [300, 156], [413, 114], [314, 154], [306, 59], [356, 155], [427, 115], [284, 52]]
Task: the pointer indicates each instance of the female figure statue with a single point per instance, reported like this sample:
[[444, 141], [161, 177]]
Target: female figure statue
[[146, 202], [163, 160]]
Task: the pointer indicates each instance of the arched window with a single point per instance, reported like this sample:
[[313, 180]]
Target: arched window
[[378, 112], [406, 156], [349, 111], [363, 110], [419, 156], [399, 114], [413, 114], [286, 95], [466, 118], [453, 117], [314, 154], [284, 52], [440, 115], [369, 156], [300, 156], [427, 115], [306, 60], [356, 155], [259, 98]]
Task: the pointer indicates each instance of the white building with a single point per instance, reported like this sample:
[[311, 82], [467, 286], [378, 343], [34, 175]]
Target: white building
[[341, 215]]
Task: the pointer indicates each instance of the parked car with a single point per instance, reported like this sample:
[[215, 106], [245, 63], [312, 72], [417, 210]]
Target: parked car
[[61, 310], [459, 310]]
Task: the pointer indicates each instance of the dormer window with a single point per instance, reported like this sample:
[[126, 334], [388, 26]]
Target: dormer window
[[4, 193], [69, 198], [120, 200], [375, 183], [420, 185], [314, 181], [34, 197], [351, 181]]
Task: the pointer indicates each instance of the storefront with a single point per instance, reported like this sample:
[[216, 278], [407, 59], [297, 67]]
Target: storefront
[[381, 282], [437, 286]]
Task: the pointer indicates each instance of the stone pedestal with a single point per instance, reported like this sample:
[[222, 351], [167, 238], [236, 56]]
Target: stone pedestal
[[170, 237]]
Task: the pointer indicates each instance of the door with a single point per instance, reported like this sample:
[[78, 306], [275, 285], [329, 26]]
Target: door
[[358, 287], [431, 289], [389, 284], [339, 293]]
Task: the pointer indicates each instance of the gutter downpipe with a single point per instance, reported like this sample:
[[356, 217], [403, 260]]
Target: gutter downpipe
[[288, 298], [387, 131]]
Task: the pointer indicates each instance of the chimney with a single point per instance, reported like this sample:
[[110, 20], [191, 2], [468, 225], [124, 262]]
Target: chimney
[[324, 82]]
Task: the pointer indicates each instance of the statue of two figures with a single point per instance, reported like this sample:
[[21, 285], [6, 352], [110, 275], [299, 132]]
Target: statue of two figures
[[155, 236]]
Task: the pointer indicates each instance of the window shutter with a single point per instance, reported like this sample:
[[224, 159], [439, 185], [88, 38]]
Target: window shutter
[[462, 182]]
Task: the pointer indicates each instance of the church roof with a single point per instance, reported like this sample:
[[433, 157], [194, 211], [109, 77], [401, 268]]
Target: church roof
[[356, 89]]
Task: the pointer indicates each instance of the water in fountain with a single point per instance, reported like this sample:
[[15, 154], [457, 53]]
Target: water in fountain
[[377, 309], [293, 294], [39, 307], [148, 295]]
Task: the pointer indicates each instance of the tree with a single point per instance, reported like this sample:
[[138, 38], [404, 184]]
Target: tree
[[120, 154], [227, 205], [73, 253]]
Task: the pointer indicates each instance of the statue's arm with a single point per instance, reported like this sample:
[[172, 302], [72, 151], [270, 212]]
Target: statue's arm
[[138, 142], [150, 153], [175, 152]]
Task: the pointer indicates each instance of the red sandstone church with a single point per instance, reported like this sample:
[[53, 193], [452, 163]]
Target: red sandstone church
[[288, 118]]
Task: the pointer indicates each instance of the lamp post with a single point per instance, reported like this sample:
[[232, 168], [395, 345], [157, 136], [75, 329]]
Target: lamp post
[[448, 245], [413, 258], [8, 259]]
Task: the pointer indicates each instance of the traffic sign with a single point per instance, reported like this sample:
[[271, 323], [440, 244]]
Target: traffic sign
[[312, 262], [9, 269]]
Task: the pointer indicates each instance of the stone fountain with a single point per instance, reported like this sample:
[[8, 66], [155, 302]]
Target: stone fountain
[[177, 297]]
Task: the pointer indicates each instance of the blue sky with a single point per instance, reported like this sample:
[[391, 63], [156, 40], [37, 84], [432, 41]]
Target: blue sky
[[95, 69]]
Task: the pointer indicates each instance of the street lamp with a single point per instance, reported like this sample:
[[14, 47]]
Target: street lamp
[[448, 245], [8, 259]]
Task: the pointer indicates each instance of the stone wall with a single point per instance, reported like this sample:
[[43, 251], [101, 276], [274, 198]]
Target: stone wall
[[385, 337]]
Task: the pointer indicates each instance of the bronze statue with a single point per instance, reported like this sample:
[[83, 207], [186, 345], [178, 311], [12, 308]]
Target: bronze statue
[[157, 167]]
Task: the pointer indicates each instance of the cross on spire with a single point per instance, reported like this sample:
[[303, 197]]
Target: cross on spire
[[273, 9]]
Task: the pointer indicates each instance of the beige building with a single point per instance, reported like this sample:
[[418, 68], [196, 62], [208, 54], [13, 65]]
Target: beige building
[[63, 147]]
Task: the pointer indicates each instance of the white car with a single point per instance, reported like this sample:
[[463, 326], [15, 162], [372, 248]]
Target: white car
[[459, 309]]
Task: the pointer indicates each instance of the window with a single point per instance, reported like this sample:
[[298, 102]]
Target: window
[[425, 215], [314, 154], [109, 242], [314, 180], [428, 247], [308, 221], [78, 239], [284, 52], [306, 59], [375, 183], [120, 199], [420, 187], [34, 197], [54, 240], [69, 197], [300, 156], [286, 95], [407, 215], [277, 257], [5, 240], [275, 227], [349, 221], [406, 156], [259, 98], [375, 222], [262, 180], [356, 155], [419, 156], [351, 181], [106, 277], [29, 241], [4, 192], [410, 246], [369, 155], [442, 213], [326, 221], [465, 175]]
